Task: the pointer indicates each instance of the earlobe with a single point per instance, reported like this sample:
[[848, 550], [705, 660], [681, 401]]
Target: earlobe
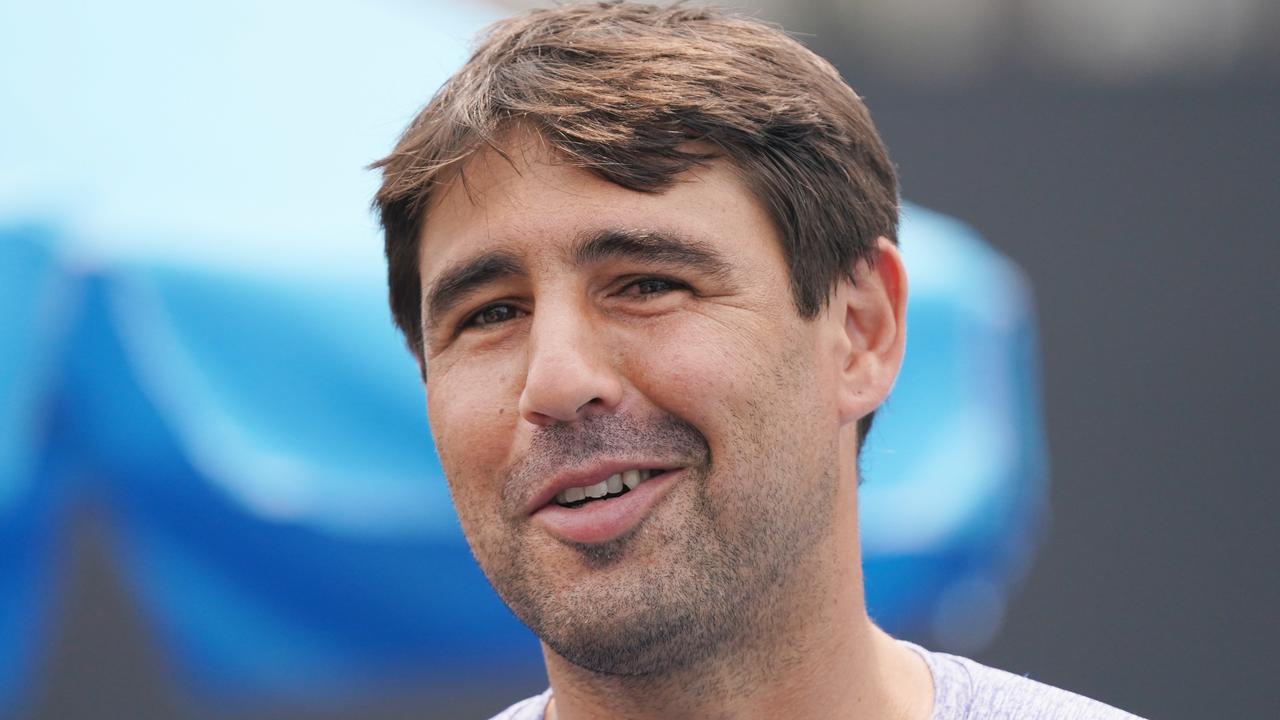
[[872, 310]]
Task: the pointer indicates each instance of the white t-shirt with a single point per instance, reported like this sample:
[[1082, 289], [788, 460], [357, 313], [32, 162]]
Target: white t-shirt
[[962, 690]]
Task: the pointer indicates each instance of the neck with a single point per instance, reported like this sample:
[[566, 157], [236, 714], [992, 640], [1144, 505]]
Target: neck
[[822, 653]]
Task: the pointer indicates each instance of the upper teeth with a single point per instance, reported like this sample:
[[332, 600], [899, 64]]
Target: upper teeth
[[612, 484]]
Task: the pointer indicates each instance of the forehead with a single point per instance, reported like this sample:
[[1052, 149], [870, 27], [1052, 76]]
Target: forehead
[[530, 200]]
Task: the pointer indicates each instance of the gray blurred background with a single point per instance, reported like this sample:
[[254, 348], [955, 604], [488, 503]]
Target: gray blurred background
[[1127, 155]]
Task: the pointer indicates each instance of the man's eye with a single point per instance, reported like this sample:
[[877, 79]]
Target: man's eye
[[651, 286], [492, 315]]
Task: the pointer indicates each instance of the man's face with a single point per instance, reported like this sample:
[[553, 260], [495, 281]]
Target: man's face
[[577, 332]]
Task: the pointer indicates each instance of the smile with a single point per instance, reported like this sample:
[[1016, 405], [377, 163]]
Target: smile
[[607, 509], [614, 486]]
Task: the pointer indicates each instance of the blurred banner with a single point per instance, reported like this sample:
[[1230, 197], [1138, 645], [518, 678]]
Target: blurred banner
[[193, 333], [35, 292]]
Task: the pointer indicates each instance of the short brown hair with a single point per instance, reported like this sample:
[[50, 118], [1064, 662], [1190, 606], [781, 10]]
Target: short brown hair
[[624, 90]]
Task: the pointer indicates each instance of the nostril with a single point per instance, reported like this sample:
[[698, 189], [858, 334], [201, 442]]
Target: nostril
[[569, 397]]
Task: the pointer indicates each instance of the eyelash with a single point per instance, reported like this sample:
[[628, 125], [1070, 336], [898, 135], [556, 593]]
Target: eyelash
[[671, 285], [473, 320]]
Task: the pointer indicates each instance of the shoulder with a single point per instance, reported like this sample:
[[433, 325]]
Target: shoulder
[[967, 690], [534, 708]]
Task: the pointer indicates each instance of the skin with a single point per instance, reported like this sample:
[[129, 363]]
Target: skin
[[739, 594]]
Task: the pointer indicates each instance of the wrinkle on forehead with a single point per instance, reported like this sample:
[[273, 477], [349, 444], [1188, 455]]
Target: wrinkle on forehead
[[522, 148]]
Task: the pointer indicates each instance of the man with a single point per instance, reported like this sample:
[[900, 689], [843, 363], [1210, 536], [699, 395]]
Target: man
[[646, 260]]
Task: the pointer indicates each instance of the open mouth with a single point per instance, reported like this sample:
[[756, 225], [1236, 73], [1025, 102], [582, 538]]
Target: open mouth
[[615, 485]]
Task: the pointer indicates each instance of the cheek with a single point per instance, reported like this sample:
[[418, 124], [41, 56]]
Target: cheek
[[749, 393], [697, 374], [472, 423]]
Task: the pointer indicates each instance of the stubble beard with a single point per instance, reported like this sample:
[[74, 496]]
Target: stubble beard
[[724, 567]]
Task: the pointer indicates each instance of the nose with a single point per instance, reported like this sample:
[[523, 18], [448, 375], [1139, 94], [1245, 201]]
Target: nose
[[570, 372]]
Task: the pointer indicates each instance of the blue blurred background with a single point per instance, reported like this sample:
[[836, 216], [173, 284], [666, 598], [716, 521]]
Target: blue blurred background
[[218, 496]]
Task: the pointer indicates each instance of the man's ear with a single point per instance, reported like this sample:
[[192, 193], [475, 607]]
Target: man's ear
[[869, 317]]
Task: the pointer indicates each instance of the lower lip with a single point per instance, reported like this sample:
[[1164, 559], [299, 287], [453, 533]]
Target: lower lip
[[603, 520]]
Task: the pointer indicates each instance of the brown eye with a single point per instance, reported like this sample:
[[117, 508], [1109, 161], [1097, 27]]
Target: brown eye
[[493, 315], [652, 286]]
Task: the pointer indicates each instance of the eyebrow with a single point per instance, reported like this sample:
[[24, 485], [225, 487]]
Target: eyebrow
[[464, 278], [652, 246]]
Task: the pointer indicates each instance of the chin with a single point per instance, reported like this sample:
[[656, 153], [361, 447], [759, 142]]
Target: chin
[[649, 643]]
